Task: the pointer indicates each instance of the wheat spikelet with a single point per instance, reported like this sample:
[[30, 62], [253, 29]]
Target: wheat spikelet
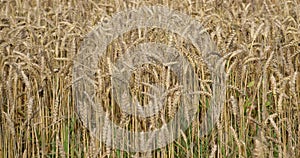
[[236, 89], [37, 145], [28, 86], [267, 7], [92, 149], [270, 117], [55, 110], [291, 147], [267, 64], [279, 103], [231, 39], [259, 150], [9, 88], [284, 81], [257, 32], [10, 123], [264, 83], [274, 86], [238, 80], [213, 151], [292, 84], [84, 139], [60, 148], [235, 107], [277, 73], [252, 59], [278, 135], [237, 141]]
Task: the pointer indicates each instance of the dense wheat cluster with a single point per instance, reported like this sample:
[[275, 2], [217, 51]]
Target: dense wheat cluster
[[259, 40]]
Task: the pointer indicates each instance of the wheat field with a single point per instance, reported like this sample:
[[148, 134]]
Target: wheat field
[[259, 41]]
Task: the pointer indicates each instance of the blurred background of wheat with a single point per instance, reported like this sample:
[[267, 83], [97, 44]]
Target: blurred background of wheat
[[260, 40]]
